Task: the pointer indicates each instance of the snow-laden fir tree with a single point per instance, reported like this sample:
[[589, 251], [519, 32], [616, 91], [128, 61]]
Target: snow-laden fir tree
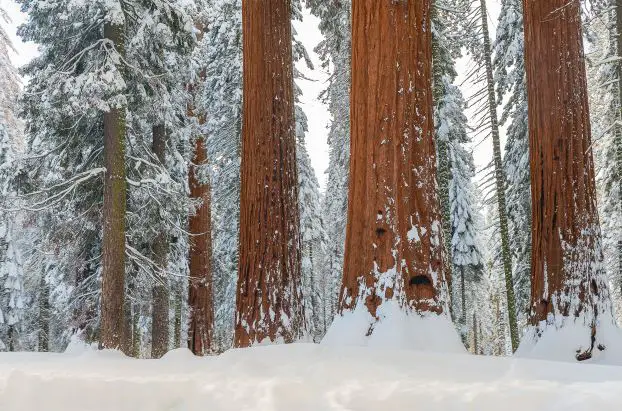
[[509, 73], [334, 51], [486, 122], [605, 83], [87, 71], [221, 98], [312, 233]]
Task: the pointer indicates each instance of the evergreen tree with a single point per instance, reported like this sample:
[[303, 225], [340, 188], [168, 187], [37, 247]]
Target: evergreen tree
[[569, 288], [78, 77], [509, 70], [334, 51]]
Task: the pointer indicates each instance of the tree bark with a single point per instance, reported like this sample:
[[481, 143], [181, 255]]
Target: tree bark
[[394, 242], [159, 248], [500, 180], [44, 316], [567, 270], [200, 284], [113, 245], [200, 295], [444, 161], [618, 136], [269, 296]]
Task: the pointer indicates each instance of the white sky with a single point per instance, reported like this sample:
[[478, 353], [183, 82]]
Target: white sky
[[317, 112]]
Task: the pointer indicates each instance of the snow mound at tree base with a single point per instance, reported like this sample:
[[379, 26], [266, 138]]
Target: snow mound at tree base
[[303, 377], [395, 329], [570, 338]]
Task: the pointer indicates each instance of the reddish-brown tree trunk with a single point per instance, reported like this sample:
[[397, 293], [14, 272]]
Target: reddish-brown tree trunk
[[200, 296], [113, 244], [200, 293], [567, 276], [160, 309], [394, 248], [269, 301]]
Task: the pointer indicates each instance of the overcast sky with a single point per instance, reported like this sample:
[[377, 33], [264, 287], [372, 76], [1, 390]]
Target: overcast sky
[[317, 112]]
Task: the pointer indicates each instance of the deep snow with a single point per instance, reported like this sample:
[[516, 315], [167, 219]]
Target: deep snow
[[303, 377]]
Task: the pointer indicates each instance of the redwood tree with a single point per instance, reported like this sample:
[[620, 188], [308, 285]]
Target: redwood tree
[[269, 301], [568, 285], [394, 248]]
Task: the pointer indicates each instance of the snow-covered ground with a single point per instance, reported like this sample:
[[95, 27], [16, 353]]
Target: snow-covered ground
[[303, 377]]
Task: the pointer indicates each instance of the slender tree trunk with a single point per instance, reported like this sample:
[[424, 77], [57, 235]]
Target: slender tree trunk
[[618, 143], [444, 161], [179, 295], [200, 285], [463, 296], [475, 331], [113, 246], [394, 248], [159, 312], [269, 296], [200, 297], [500, 182], [567, 272], [44, 316]]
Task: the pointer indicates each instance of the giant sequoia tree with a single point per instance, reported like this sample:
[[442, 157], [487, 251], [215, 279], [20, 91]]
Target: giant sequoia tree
[[394, 250], [269, 301], [568, 287]]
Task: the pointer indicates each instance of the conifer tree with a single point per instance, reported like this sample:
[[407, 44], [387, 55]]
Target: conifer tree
[[334, 52], [509, 74], [394, 253], [568, 284], [269, 300]]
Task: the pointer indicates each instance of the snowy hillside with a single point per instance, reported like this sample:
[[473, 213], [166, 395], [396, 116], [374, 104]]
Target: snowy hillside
[[303, 378]]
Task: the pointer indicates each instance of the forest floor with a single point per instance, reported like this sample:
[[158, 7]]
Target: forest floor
[[302, 377]]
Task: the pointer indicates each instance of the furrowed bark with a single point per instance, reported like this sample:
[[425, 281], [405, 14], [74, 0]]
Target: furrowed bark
[[618, 135], [269, 297], [200, 295], [114, 208], [567, 271], [159, 247], [394, 242]]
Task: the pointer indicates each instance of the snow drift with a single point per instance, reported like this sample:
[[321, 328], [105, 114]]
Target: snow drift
[[302, 377]]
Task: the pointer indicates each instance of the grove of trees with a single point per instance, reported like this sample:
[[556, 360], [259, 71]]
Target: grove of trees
[[156, 190]]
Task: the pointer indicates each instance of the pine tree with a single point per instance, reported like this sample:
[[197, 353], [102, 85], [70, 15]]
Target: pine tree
[[221, 97], [269, 300], [568, 284], [481, 50], [78, 77], [604, 29], [335, 53], [509, 74], [394, 254]]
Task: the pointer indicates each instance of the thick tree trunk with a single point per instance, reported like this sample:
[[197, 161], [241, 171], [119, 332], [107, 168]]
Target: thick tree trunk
[[159, 248], [500, 179], [567, 273], [269, 297], [113, 245], [394, 242]]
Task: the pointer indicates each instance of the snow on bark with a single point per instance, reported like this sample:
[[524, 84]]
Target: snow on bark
[[269, 295], [394, 269], [569, 291]]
